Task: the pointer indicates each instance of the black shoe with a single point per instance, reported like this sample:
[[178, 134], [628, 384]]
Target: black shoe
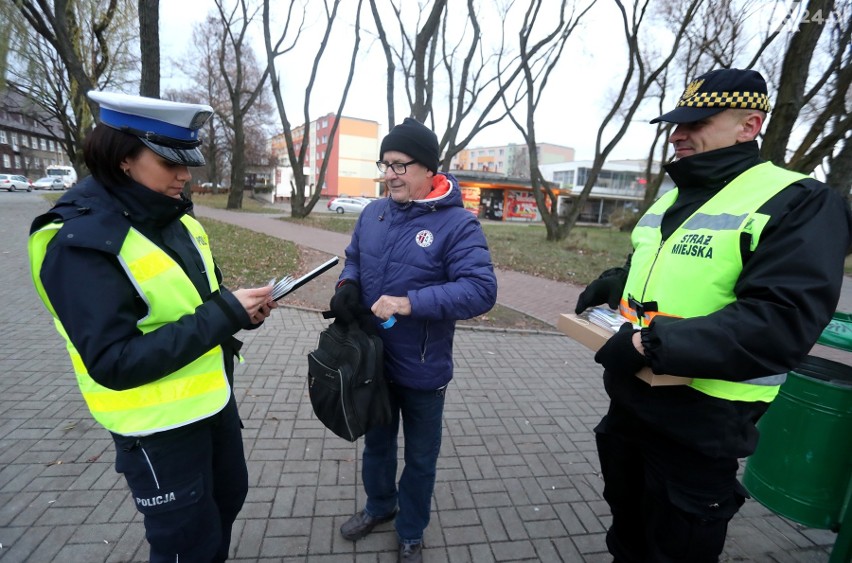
[[362, 524], [410, 553]]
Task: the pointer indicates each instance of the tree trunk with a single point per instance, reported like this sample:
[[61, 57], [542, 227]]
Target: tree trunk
[[791, 87], [149, 47], [422, 79], [238, 165], [839, 176]]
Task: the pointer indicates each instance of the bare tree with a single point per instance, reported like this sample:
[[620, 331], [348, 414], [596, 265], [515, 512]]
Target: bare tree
[[715, 40], [389, 59], [434, 54], [5, 36], [205, 85], [791, 93], [641, 75], [149, 47], [819, 48], [303, 197], [243, 80], [63, 49], [538, 59]]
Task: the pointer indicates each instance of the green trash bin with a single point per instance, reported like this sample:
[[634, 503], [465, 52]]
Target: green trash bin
[[803, 463], [838, 333], [802, 468]]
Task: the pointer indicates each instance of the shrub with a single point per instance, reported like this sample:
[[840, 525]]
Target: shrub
[[624, 220]]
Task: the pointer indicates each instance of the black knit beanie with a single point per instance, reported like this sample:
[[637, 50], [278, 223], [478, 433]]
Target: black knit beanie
[[414, 139]]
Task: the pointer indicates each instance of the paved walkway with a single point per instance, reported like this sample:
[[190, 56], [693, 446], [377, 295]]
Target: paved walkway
[[518, 477]]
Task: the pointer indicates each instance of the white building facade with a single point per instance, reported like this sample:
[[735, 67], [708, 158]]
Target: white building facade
[[619, 188]]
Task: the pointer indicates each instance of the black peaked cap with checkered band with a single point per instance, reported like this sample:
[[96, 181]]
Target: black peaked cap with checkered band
[[716, 91]]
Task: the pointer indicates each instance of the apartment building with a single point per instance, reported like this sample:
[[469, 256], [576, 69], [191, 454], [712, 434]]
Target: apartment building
[[351, 161], [509, 160], [27, 146]]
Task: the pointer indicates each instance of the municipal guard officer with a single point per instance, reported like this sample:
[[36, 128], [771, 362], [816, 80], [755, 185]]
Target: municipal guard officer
[[733, 277], [130, 280]]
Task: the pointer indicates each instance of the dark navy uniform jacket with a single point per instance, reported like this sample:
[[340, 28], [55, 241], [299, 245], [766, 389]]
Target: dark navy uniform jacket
[[99, 306]]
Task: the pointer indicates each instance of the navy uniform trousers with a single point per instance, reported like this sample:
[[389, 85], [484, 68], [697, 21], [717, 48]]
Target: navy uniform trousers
[[669, 503], [190, 484]]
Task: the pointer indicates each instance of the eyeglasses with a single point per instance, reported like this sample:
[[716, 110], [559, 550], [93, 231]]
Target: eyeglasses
[[398, 168]]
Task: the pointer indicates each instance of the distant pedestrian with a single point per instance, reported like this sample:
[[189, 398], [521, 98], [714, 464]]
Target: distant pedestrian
[[733, 277], [420, 260], [130, 280]]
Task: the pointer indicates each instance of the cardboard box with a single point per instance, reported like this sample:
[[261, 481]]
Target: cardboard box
[[593, 337]]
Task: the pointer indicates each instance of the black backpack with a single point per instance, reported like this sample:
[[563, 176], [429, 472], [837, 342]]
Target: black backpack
[[346, 381]]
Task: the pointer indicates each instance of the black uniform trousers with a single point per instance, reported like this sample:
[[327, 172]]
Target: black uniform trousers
[[669, 503], [190, 484]]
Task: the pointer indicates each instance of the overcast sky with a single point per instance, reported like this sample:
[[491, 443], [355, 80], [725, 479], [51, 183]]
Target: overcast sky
[[590, 71]]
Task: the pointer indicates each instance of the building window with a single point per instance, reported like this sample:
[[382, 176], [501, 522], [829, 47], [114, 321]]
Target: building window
[[51, 145], [35, 142], [3, 137], [43, 144], [14, 138], [7, 162], [25, 140], [564, 177], [17, 161]]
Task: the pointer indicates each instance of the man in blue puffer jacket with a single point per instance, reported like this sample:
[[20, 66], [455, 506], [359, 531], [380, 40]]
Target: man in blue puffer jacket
[[419, 261]]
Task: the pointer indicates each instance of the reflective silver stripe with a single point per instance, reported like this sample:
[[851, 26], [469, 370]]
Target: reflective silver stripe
[[770, 380], [720, 222], [151, 467], [126, 267], [650, 220]]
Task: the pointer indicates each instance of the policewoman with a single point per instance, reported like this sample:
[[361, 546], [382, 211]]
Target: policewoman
[[734, 275], [130, 280]]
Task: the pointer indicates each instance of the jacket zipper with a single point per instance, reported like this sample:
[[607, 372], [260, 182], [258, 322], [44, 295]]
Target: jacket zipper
[[423, 347], [648, 277], [343, 397]]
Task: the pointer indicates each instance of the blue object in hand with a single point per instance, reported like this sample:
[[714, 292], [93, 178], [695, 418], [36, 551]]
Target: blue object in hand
[[389, 323]]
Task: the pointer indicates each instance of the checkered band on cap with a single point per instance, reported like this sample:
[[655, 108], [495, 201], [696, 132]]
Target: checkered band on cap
[[740, 100]]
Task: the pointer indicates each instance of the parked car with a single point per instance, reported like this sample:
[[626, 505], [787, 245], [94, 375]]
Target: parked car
[[347, 204], [14, 182], [209, 188], [49, 183]]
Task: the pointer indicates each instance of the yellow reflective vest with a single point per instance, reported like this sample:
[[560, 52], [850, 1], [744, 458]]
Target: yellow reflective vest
[[194, 392], [694, 271]]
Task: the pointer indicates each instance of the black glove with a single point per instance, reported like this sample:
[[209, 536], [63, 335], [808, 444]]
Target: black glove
[[618, 355], [606, 289], [345, 304]]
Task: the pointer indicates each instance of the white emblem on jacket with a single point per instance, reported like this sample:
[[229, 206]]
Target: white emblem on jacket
[[424, 238]]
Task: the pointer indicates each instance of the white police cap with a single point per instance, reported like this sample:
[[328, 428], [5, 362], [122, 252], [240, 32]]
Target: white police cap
[[168, 128]]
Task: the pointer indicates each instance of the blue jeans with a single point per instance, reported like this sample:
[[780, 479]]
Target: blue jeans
[[422, 417]]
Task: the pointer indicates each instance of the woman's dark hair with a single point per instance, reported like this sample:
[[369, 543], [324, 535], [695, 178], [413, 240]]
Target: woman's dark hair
[[104, 150]]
